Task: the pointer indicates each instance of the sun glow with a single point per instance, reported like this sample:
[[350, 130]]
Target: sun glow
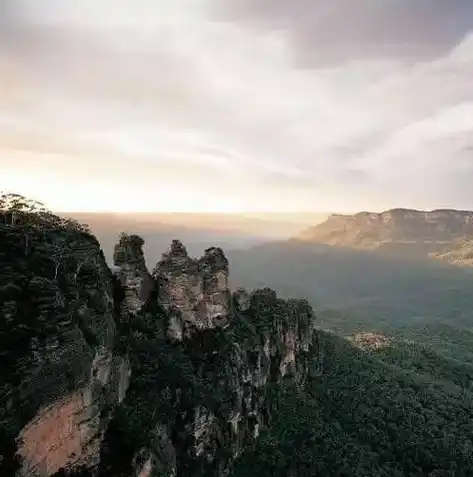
[[64, 192]]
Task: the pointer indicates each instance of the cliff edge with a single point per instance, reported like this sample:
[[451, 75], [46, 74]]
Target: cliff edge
[[125, 373]]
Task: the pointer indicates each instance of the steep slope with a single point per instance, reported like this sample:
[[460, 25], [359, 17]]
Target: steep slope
[[359, 416], [131, 374], [401, 231], [61, 376]]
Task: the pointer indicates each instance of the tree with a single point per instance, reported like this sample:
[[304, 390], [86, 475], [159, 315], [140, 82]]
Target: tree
[[57, 251], [19, 212]]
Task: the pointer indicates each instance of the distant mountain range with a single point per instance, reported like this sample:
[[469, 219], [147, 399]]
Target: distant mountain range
[[443, 233]]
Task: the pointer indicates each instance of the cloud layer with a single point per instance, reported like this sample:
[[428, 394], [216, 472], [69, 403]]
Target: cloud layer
[[218, 105]]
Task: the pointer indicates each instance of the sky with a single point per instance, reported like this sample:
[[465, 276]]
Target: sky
[[237, 105]]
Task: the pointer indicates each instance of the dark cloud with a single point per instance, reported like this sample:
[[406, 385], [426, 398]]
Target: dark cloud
[[8, 19], [339, 30]]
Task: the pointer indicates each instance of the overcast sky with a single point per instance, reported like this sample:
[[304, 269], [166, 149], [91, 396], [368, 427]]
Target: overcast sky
[[237, 105]]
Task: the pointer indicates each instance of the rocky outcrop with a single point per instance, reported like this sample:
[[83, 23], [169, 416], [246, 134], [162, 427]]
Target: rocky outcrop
[[130, 268], [370, 341], [241, 300], [421, 232], [194, 293], [169, 372], [159, 458]]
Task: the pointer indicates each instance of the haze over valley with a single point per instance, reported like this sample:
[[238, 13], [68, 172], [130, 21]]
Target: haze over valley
[[198, 231]]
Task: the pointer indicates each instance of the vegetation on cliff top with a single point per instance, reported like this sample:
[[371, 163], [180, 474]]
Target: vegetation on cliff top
[[45, 262]]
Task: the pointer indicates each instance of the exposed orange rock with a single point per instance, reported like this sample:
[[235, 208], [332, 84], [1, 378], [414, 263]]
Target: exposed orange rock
[[370, 340], [55, 437]]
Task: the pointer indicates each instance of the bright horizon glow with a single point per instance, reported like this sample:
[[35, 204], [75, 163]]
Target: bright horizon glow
[[69, 196]]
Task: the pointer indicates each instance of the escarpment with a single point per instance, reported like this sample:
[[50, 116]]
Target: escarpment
[[123, 373], [414, 232], [62, 379]]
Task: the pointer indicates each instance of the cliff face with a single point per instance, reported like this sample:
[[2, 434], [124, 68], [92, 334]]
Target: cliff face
[[424, 232], [126, 374], [58, 333]]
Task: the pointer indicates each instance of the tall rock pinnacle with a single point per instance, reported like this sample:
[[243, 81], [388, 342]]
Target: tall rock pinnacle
[[130, 268]]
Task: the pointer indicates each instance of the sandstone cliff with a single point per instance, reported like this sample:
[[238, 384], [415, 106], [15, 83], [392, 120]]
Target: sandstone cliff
[[120, 373], [408, 231], [58, 331]]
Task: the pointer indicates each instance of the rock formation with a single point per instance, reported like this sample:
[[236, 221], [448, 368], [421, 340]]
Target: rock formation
[[193, 292], [223, 406], [197, 391], [130, 268]]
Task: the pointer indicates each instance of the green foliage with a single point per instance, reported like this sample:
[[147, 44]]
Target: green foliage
[[128, 249], [361, 417], [167, 378], [170, 381], [424, 360]]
